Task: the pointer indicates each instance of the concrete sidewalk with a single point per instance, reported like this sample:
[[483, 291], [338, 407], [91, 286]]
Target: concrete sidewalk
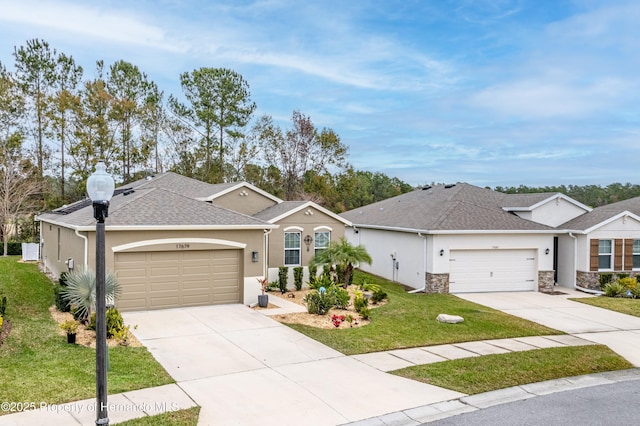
[[121, 407], [402, 358]]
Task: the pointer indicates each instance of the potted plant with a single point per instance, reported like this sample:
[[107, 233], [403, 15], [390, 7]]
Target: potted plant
[[263, 299], [71, 327]]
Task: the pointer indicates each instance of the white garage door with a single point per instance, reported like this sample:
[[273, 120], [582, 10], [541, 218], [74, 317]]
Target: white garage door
[[170, 279], [492, 270]]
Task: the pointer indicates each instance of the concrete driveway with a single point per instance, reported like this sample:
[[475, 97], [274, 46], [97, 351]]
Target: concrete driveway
[[618, 331], [244, 368]]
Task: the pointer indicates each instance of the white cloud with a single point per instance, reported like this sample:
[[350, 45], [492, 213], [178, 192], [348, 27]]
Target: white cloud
[[90, 21], [541, 98]]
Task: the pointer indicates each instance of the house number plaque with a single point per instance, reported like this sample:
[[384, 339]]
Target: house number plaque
[[182, 246]]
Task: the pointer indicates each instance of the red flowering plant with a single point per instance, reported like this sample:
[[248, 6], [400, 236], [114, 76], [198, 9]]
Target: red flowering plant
[[337, 320]]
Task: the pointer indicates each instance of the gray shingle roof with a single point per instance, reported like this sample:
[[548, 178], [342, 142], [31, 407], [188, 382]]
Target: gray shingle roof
[[603, 213], [444, 208], [526, 200], [156, 203], [277, 210], [179, 184]]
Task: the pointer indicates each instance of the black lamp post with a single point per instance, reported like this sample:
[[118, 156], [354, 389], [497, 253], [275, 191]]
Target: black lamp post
[[100, 187]]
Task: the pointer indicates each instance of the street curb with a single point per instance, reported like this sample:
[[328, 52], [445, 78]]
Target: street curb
[[466, 404]]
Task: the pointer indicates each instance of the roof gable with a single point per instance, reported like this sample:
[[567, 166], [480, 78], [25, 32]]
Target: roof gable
[[227, 188], [285, 209], [622, 215], [603, 215], [530, 202]]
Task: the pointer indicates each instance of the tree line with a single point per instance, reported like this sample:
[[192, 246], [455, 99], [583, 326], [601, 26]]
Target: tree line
[[57, 121], [590, 195]]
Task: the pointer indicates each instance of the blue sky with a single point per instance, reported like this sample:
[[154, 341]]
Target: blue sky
[[490, 92]]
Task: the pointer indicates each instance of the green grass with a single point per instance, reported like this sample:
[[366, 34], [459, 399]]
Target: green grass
[[36, 362], [188, 417], [491, 372], [618, 304], [409, 320]]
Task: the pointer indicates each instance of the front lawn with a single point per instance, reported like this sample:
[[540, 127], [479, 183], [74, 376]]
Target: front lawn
[[36, 362], [188, 417], [618, 304], [409, 320], [491, 372]]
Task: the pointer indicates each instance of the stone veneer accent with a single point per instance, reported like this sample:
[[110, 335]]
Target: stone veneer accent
[[546, 281], [437, 283], [590, 280]]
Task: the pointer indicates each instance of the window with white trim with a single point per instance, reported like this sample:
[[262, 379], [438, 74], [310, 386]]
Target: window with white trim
[[321, 241], [292, 242], [636, 254], [605, 254]]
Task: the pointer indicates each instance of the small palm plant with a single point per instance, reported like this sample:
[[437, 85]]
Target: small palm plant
[[344, 254], [80, 291]]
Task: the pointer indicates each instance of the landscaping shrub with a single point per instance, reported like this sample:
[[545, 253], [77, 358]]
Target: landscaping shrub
[[342, 297], [313, 272], [297, 277], [3, 306], [614, 289], [81, 291], [605, 278], [319, 302], [364, 312], [63, 279], [321, 281], [14, 248], [360, 302], [340, 273], [283, 275], [115, 322], [61, 304], [378, 296], [366, 286], [628, 283]]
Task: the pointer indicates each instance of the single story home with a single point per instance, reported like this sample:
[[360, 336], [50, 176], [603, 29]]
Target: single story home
[[462, 238], [174, 241]]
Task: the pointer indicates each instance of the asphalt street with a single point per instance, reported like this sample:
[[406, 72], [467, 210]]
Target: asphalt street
[[611, 404]]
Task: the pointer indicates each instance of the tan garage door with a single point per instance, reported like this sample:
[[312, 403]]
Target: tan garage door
[[492, 270], [170, 279]]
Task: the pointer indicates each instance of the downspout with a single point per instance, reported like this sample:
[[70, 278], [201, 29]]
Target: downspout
[[424, 275], [44, 261], [266, 252], [86, 248], [575, 269]]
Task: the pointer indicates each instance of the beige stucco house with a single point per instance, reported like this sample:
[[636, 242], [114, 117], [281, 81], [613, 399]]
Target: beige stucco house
[[174, 241]]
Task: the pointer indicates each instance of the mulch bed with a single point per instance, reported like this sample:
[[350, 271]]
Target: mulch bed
[[4, 332], [319, 321]]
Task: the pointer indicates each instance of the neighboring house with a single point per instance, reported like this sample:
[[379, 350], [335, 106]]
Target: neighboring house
[[604, 240], [174, 241], [462, 238]]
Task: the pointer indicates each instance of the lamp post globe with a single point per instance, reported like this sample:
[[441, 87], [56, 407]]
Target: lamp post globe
[[100, 187]]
